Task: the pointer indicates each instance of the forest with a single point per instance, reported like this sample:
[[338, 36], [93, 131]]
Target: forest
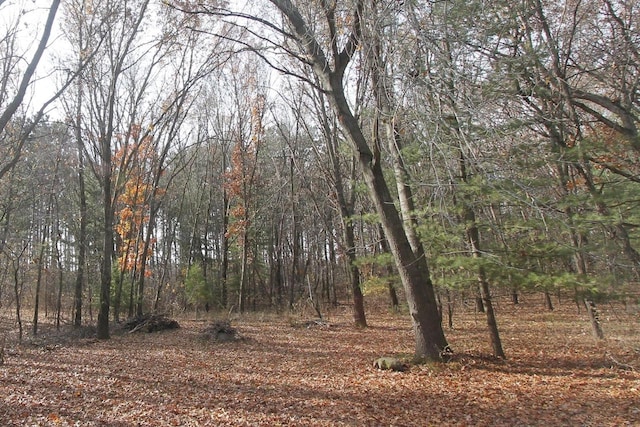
[[432, 161]]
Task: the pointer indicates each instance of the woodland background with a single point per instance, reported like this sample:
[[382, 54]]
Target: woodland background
[[196, 160]]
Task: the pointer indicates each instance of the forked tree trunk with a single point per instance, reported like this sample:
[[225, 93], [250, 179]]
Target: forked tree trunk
[[430, 341]]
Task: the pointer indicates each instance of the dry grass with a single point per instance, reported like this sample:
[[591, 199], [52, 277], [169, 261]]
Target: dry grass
[[556, 374]]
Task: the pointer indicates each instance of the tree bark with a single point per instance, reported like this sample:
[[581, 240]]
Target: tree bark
[[547, 301], [473, 240], [430, 341], [594, 318]]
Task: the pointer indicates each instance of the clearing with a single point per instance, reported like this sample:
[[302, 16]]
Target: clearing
[[283, 372]]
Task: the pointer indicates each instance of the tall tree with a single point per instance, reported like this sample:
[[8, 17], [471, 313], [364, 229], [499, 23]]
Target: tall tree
[[107, 115], [329, 54], [341, 183]]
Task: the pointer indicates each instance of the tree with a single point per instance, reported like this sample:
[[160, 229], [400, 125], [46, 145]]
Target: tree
[[240, 186], [556, 74], [196, 287], [133, 212], [341, 183], [329, 58], [104, 82], [453, 97]]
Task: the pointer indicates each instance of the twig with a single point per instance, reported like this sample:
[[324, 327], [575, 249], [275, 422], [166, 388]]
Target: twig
[[620, 365]]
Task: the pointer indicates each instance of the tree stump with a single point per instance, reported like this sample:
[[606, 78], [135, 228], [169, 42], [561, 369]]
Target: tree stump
[[221, 331]]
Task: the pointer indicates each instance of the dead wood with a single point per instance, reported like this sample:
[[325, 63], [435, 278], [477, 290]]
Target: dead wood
[[221, 331], [150, 323]]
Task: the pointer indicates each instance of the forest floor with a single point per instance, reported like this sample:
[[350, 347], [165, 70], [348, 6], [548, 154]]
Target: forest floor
[[285, 373]]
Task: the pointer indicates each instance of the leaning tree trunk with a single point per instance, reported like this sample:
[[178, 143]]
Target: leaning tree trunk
[[594, 318], [430, 341], [473, 239]]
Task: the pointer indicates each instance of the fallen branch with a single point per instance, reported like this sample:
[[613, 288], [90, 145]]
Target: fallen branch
[[620, 365]]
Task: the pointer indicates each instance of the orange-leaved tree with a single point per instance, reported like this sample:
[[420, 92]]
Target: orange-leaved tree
[[239, 183], [133, 204]]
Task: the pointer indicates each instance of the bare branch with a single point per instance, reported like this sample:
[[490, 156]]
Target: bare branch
[[31, 69]]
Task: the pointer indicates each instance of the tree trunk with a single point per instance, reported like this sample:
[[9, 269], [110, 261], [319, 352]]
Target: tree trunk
[[430, 341], [479, 302], [496, 343], [449, 309], [359, 316], [155, 207], [473, 240], [36, 304], [346, 204], [547, 301], [82, 243], [384, 247], [82, 194], [107, 244], [346, 212], [224, 266], [117, 300], [60, 272], [17, 288], [594, 318], [242, 289]]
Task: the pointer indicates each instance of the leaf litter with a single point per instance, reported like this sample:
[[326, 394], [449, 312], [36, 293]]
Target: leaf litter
[[281, 375]]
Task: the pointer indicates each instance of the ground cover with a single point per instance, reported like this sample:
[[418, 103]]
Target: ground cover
[[289, 372]]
